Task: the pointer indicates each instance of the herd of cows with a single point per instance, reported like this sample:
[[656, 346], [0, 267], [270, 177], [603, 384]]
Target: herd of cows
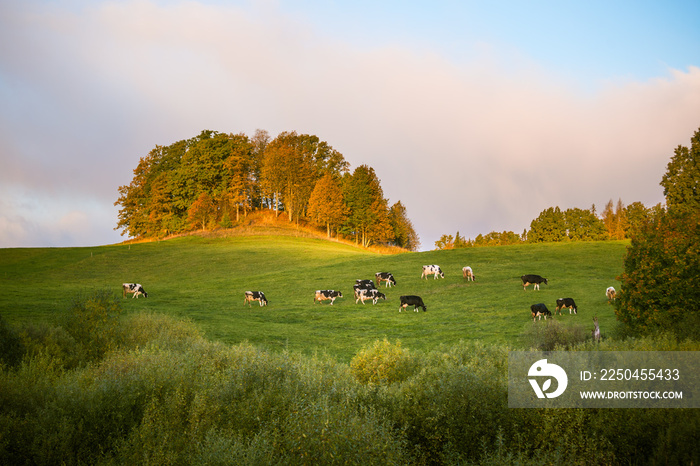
[[367, 290]]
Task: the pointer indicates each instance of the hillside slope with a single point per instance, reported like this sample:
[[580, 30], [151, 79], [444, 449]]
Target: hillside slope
[[204, 279]]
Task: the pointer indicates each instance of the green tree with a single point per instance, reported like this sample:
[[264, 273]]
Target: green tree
[[681, 182], [368, 218], [660, 285], [405, 235], [583, 225], [549, 226]]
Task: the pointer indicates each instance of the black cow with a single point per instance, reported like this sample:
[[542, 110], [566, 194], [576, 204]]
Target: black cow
[[133, 288], [566, 302], [539, 310], [414, 301], [323, 295], [255, 296], [533, 279], [385, 277], [373, 294]]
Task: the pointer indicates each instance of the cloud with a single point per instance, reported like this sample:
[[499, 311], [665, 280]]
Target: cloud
[[474, 146]]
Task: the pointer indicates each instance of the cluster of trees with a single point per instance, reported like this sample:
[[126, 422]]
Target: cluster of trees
[[553, 225], [660, 286], [209, 181]]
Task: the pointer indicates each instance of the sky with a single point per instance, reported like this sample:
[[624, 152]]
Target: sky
[[476, 115]]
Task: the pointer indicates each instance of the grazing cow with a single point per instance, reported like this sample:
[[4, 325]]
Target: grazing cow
[[566, 302], [611, 293], [323, 295], [414, 301], [596, 330], [468, 274], [373, 294], [385, 277], [539, 310], [533, 279], [364, 284], [255, 296], [133, 288], [432, 270]]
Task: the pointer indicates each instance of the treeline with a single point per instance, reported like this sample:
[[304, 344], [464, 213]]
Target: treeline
[[212, 180], [554, 225]]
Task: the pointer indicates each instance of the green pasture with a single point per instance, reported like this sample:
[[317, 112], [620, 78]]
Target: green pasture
[[203, 279]]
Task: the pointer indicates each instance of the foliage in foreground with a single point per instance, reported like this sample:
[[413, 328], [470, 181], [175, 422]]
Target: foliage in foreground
[[162, 394]]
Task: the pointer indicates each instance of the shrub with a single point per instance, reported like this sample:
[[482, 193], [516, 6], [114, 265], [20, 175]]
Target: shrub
[[93, 321], [382, 363], [550, 334], [11, 349]]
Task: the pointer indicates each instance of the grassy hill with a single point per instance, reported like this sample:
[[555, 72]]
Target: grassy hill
[[203, 279]]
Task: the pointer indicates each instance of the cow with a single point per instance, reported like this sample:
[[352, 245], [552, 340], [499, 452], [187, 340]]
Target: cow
[[364, 284], [323, 295], [414, 301], [385, 277], [373, 294], [596, 330], [133, 288], [610, 293], [539, 310], [468, 274], [566, 302], [533, 279], [432, 270], [255, 296]]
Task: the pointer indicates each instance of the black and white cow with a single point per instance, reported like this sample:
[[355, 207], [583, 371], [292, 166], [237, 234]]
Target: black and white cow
[[364, 284], [432, 270], [536, 280], [415, 301], [133, 288], [566, 302], [373, 294], [255, 296], [610, 293], [539, 310], [468, 274], [324, 295], [385, 277]]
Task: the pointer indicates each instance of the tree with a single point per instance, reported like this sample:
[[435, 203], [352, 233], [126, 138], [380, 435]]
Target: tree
[[405, 235], [548, 226], [660, 285], [583, 225], [368, 219], [445, 242], [326, 205], [202, 212], [681, 182]]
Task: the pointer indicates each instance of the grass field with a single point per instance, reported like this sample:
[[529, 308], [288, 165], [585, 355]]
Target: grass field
[[203, 279]]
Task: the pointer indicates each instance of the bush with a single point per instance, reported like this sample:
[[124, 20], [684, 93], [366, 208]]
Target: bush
[[93, 322], [11, 349], [382, 363], [550, 334]]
